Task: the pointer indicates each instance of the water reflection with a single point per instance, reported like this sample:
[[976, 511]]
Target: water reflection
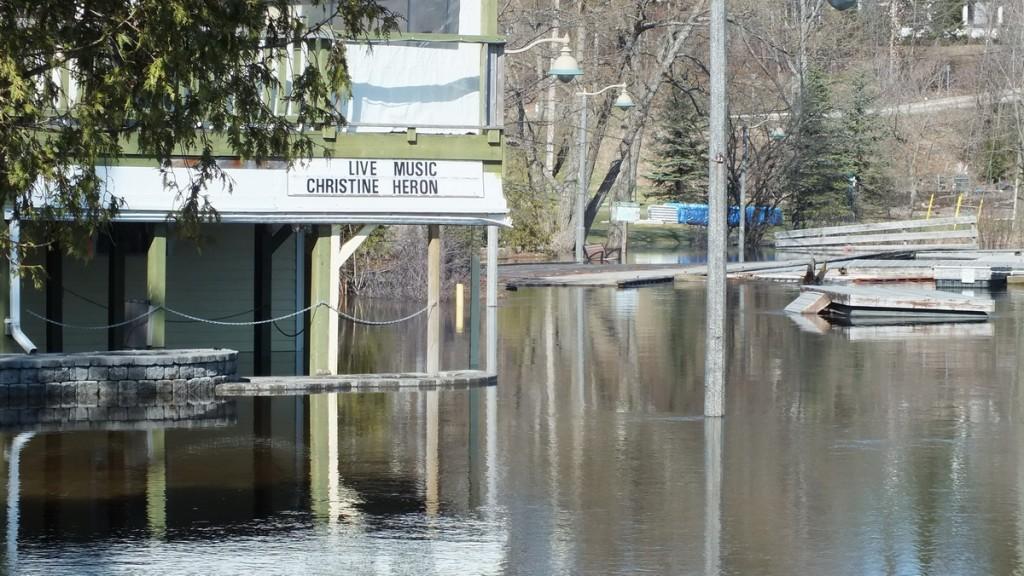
[[840, 454]]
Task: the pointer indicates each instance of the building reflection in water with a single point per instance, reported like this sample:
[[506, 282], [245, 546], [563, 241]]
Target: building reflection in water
[[843, 452]]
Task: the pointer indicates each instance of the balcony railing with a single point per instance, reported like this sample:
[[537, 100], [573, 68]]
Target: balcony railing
[[440, 85]]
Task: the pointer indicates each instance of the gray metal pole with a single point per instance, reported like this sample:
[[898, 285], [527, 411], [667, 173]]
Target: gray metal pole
[[492, 299], [743, 196], [714, 358], [581, 193]]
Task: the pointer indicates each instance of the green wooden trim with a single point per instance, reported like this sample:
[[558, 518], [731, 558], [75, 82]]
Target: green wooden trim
[[494, 137], [484, 96], [320, 274], [156, 285], [367, 145], [489, 16], [492, 167], [410, 135]]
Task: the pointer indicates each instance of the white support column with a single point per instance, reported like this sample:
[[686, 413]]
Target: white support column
[[340, 253], [492, 299], [334, 292]]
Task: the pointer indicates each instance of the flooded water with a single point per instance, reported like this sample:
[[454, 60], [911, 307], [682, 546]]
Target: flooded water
[[861, 450]]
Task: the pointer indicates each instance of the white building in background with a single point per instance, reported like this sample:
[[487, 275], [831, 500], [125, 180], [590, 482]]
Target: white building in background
[[924, 18], [982, 19]]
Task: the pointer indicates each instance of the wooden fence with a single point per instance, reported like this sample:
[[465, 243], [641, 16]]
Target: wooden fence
[[956, 233]]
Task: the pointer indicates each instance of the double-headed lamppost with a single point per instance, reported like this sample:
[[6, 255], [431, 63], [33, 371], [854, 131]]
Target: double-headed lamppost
[[624, 102], [565, 68], [714, 347]]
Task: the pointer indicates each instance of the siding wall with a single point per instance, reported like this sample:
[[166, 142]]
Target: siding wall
[[213, 280]]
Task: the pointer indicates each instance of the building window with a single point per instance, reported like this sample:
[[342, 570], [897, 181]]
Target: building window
[[425, 16]]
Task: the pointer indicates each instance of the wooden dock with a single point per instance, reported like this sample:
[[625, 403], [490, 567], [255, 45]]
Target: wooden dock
[[862, 301], [877, 329]]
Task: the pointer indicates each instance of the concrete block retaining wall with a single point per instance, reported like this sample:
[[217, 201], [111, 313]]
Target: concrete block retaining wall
[[120, 386]]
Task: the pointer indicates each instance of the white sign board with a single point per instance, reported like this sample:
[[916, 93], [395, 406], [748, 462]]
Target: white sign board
[[625, 212], [324, 191], [395, 179]]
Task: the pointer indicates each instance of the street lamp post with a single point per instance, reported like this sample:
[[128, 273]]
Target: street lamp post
[[624, 101], [744, 164], [565, 68]]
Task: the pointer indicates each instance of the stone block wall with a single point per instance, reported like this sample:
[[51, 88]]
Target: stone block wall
[[120, 386]]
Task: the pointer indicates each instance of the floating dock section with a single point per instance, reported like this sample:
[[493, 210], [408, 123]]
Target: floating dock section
[[861, 301]]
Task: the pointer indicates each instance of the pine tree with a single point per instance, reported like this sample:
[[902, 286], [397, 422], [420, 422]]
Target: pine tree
[[680, 170], [860, 135], [816, 179]]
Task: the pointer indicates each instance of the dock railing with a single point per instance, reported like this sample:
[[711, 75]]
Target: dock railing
[[955, 233]]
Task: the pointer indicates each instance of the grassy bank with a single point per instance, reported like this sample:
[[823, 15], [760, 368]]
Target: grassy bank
[[644, 235]]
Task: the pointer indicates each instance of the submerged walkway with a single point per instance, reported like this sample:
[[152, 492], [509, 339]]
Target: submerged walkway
[[297, 385], [515, 276]]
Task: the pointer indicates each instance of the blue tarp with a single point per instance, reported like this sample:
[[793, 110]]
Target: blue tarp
[[697, 214]]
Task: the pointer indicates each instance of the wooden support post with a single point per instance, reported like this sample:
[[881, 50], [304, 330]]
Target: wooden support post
[[115, 289], [959, 201], [433, 298], [262, 279], [156, 287], [931, 202], [319, 293], [54, 298]]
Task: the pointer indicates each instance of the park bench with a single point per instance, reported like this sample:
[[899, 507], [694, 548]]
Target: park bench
[[600, 253]]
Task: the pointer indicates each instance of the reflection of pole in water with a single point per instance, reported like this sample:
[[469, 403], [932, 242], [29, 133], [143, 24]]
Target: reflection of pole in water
[[156, 484], [491, 416], [580, 353], [330, 499], [712, 495], [14, 498], [333, 475], [432, 466]]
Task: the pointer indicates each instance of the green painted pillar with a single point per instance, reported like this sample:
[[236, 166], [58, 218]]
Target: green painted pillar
[[54, 298], [7, 344], [156, 286], [319, 291]]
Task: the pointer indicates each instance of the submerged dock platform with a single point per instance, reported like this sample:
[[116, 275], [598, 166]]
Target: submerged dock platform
[[854, 301], [299, 385]]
